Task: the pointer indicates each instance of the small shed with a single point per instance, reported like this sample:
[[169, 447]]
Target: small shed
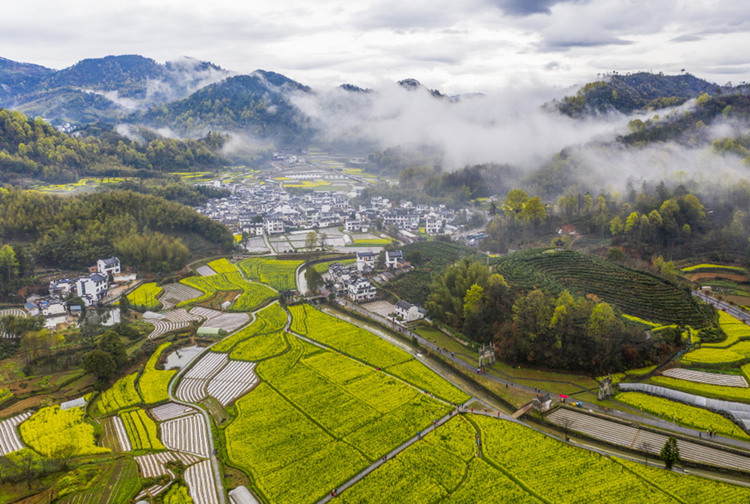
[[542, 402], [210, 332], [225, 305]]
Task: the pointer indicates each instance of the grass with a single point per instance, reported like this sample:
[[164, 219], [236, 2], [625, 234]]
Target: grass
[[442, 340]]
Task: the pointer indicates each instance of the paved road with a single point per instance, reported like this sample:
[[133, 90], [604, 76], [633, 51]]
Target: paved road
[[732, 310], [642, 419]]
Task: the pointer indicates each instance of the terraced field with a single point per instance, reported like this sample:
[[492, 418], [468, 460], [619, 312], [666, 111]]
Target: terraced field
[[634, 292]]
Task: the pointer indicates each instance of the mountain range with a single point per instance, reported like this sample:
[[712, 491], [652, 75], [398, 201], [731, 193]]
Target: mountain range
[[192, 97]]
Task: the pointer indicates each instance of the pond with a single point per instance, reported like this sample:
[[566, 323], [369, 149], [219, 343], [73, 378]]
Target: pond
[[180, 358]]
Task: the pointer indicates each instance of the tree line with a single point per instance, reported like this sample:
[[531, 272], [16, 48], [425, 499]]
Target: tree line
[[72, 232]]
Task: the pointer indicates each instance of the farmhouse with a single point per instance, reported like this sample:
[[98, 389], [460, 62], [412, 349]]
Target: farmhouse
[[93, 285], [108, 267], [541, 402], [409, 312], [361, 290], [392, 258], [366, 261]]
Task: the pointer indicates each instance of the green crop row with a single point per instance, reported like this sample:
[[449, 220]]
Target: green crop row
[[636, 293], [689, 416], [272, 318], [119, 396], [252, 294], [154, 383], [141, 430], [278, 274]]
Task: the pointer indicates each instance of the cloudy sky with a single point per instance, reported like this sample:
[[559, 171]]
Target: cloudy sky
[[455, 46]]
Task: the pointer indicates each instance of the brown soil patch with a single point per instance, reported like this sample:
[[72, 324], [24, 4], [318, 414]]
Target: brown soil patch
[[729, 276], [740, 300], [23, 405]]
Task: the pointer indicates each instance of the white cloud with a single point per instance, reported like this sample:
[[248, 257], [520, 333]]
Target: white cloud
[[458, 47]]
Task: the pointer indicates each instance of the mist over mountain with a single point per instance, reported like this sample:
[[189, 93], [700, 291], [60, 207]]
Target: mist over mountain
[[620, 126]]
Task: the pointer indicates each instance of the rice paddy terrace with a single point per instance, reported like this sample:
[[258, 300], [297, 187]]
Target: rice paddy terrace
[[634, 292]]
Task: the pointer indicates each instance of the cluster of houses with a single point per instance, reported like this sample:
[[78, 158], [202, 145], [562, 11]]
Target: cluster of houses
[[91, 289], [269, 209]]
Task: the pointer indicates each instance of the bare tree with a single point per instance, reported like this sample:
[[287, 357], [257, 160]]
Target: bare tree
[[646, 448], [566, 423]]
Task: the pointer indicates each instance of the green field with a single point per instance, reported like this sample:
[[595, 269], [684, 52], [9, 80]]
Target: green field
[[251, 294], [689, 416], [318, 418], [141, 430], [365, 346], [56, 433], [270, 319], [154, 382], [634, 292], [120, 396], [144, 296], [278, 274]]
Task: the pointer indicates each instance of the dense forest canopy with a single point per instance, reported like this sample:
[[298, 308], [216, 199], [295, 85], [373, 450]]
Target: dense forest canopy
[[631, 92], [72, 232], [34, 149], [253, 104]]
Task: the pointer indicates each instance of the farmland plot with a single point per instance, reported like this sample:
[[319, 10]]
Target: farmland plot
[[154, 382], [200, 480], [205, 271], [192, 387], [232, 382], [187, 434], [180, 315], [141, 430], [205, 313], [161, 328], [120, 396], [152, 465], [255, 245], [16, 312], [10, 441], [229, 322], [708, 378], [251, 294], [177, 293], [171, 410], [278, 274], [115, 436], [269, 319], [260, 347]]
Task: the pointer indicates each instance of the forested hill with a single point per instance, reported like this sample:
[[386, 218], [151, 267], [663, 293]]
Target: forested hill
[[33, 149], [143, 230], [628, 93], [690, 127], [256, 104]]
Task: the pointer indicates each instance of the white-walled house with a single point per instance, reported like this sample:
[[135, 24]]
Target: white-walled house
[[92, 285], [408, 311], [361, 290], [366, 261], [109, 266], [392, 258]]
